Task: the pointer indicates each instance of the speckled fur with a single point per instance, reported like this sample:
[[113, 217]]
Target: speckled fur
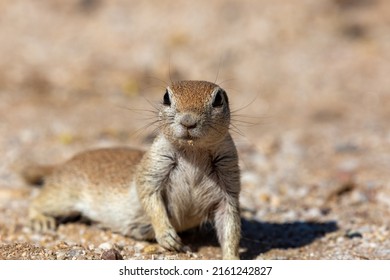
[[189, 175]]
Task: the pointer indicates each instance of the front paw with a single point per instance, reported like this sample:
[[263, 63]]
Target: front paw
[[169, 240], [230, 257], [42, 223]]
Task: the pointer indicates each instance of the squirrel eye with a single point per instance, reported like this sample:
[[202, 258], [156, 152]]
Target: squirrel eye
[[166, 99], [218, 100]]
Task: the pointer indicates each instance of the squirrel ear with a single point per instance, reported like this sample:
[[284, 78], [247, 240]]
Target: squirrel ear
[[218, 99], [166, 99]]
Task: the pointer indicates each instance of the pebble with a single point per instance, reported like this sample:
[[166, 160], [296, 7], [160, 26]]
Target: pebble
[[192, 255], [150, 249], [340, 239], [250, 178], [358, 197], [353, 234], [74, 253], [313, 213], [290, 215], [61, 255], [138, 248], [62, 245], [346, 148], [111, 254], [105, 246]]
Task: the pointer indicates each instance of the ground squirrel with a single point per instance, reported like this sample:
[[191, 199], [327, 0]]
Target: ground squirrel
[[189, 176]]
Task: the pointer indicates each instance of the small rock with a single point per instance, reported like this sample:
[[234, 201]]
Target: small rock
[[358, 197], [111, 254], [192, 255], [138, 248], [265, 198], [250, 178], [313, 213], [340, 239], [74, 253], [187, 249], [275, 201], [346, 148], [105, 246], [150, 249], [325, 211], [290, 215], [60, 255], [62, 245], [353, 234]]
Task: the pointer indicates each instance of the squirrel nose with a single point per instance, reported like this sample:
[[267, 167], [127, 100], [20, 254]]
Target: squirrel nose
[[188, 121]]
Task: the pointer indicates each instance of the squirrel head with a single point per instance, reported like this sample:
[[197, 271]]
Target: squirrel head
[[195, 113]]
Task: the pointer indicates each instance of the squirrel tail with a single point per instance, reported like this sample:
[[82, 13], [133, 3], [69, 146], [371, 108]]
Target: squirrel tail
[[35, 174]]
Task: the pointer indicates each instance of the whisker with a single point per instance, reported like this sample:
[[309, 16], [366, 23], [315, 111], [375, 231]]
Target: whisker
[[245, 106], [138, 111], [169, 69], [213, 126], [219, 68], [249, 121], [235, 129], [225, 81], [157, 129], [147, 118], [144, 128], [150, 88], [231, 127], [153, 104], [159, 80]]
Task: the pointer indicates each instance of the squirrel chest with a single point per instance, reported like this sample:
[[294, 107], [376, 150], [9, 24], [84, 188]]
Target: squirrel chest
[[191, 190]]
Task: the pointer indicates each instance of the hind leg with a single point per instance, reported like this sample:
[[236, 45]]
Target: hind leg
[[49, 204]]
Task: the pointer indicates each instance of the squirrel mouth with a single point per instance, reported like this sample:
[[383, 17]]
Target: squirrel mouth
[[188, 139]]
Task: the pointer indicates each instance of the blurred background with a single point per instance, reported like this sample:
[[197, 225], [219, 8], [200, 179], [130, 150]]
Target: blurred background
[[309, 80]]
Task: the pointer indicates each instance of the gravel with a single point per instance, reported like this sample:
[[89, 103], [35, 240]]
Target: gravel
[[309, 81]]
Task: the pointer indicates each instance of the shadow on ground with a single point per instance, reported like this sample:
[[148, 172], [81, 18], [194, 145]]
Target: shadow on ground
[[260, 237]]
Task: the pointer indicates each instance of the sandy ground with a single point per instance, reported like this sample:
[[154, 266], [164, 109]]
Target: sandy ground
[[309, 80]]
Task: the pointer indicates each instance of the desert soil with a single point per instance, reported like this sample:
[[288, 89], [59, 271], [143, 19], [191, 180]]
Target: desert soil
[[309, 81]]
